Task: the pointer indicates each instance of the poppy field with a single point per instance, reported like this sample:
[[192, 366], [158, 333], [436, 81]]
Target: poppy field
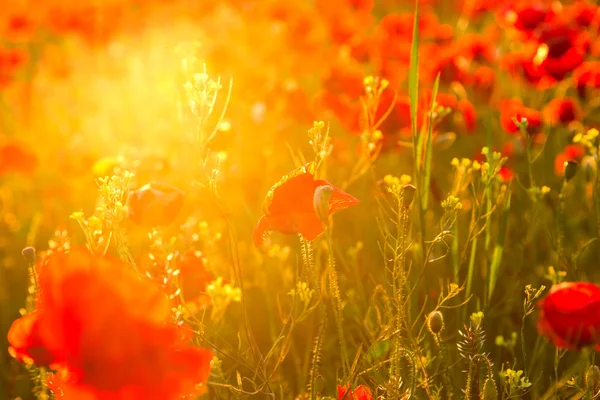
[[341, 199]]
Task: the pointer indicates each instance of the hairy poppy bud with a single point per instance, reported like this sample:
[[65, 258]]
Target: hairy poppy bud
[[408, 194], [592, 380], [321, 201], [570, 170], [435, 322], [29, 255], [490, 391]]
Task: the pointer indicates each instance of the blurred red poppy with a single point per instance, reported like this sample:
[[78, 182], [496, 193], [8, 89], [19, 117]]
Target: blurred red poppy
[[108, 332], [17, 158], [570, 315], [10, 62], [194, 277], [587, 75], [573, 152], [289, 205], [514, 108], [155, 204], [562, 111], [359, 393]]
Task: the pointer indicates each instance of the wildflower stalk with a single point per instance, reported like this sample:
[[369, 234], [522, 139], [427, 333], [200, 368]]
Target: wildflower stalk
[[446, 381], [499, 247], [316, 358], [399, 283], [38, 374], [337, 305], [561, 219]]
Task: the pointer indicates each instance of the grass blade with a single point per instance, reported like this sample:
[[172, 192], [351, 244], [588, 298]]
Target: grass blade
[[499, 248], [429, 147]]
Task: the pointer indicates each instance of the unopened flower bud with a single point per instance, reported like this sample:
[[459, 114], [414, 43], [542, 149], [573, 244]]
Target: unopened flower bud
[[490, 391], [321, 201], [408, 194], [29, 254], [570, 170], [435, 322]]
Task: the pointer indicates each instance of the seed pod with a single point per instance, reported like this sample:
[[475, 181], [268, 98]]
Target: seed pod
[[490, 391], [592, 380], [435, 322], [29, 255], [570, 170]]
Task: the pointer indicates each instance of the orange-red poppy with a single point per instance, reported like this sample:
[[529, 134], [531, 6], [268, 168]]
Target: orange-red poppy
[[562, 111], [572, 152], [194, 277], [289, 205], [514, 108], [108, 332], [570, 315], [17, 158], [358, 393], [155, 204]]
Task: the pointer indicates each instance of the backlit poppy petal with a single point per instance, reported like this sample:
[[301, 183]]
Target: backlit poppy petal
[[289, 205], [570, 315]]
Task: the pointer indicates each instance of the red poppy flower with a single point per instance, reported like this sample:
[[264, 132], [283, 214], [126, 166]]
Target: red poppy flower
[[527, 16], [359, 393], [17, 158], [469, 114], [483, 80], [155, 204], [476, 47], [346, 77], [570, 315], [514, 108], [289, 206], [10, 61], [587, 75], [562, 111], [573, 152], [194, 278], [108, 332]]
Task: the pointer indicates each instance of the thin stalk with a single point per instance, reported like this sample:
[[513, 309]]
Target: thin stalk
[[337, 305]]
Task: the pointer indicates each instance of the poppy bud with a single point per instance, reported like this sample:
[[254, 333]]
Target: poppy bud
[[321, 201], [592, 379], [570, 170], [408, 194], [29, 255], [490, 391], [435, 322], [155, 204]]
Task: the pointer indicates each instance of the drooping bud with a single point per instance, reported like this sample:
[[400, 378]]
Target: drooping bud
[[592, 380], [321, 201], [435, 322], [29, 254], [570, 170], [408, 194], [490, 391]]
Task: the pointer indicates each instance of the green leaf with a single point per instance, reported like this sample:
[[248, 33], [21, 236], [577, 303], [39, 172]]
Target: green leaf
[[377, 349]]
